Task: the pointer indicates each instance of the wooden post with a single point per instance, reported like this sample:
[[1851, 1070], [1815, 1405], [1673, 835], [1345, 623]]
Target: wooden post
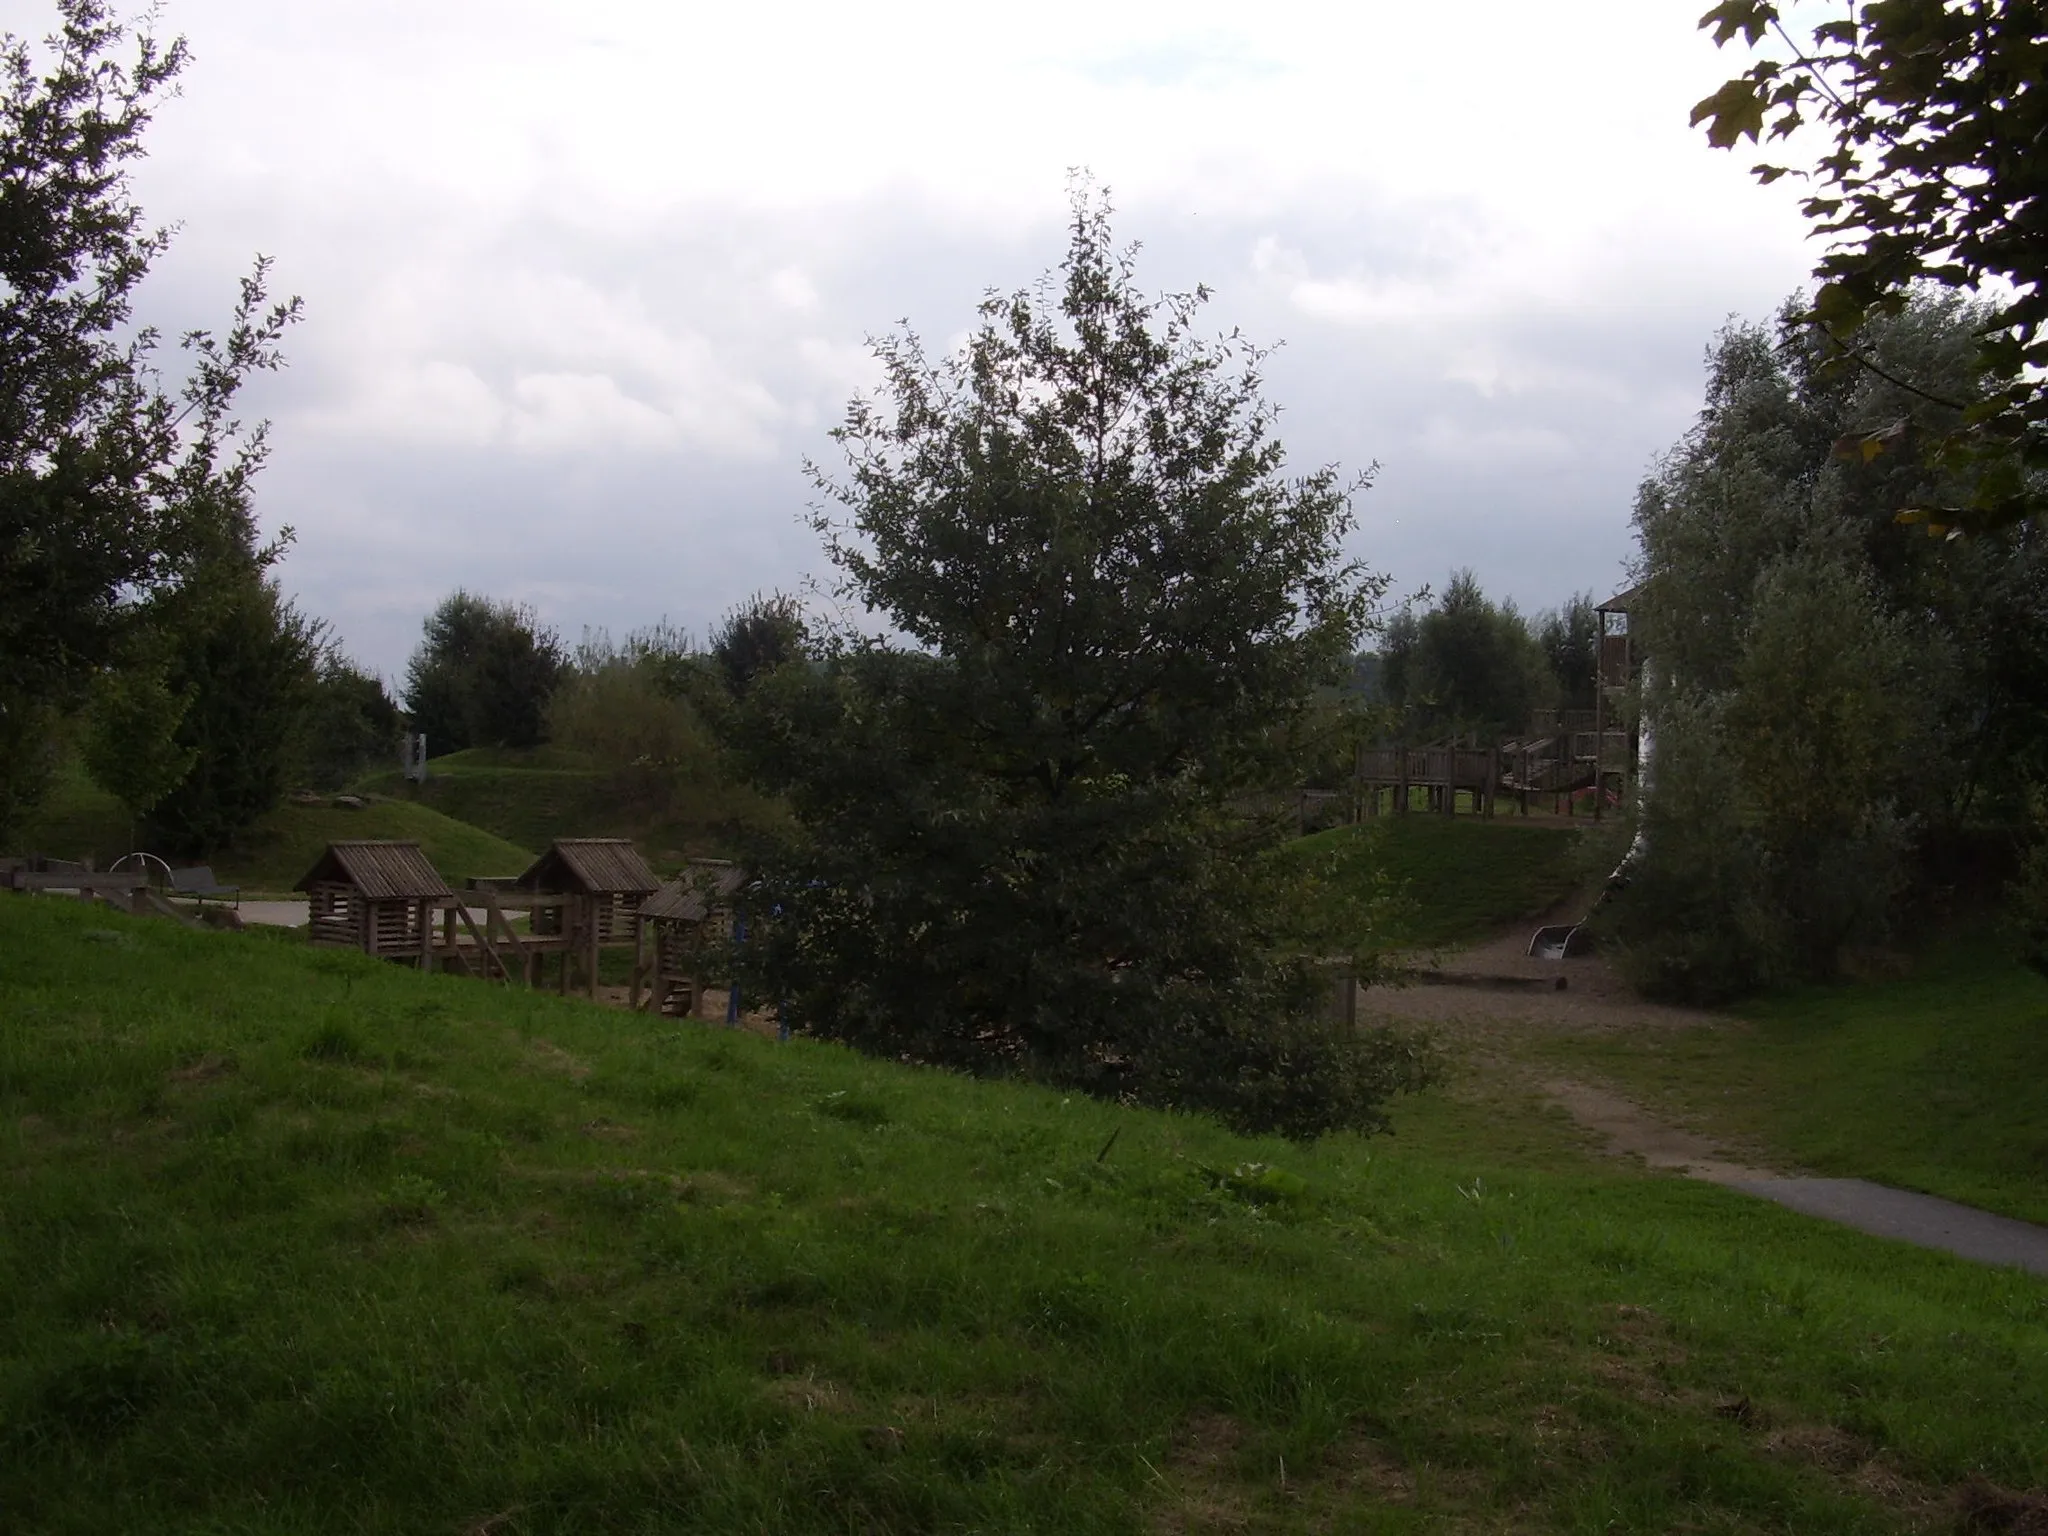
[[1401, 781], [590, 942], [426, 917], [1600, 720], [639, 960], [1492, 777]]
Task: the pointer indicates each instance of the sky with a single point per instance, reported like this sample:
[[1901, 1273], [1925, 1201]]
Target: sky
[[587, 284]]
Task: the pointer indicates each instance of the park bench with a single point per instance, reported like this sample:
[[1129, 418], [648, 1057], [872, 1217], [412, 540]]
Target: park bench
[[199, 882]]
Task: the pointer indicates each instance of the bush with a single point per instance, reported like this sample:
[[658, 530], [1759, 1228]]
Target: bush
[[649, 741]]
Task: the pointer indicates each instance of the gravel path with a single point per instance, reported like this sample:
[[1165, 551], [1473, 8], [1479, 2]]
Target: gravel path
[[1493, 994]]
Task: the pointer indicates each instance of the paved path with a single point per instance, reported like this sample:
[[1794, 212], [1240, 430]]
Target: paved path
[[1494, 1021], [275, 914], [1924, 1220]]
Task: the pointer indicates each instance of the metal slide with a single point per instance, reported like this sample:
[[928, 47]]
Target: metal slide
[[1564, 941]]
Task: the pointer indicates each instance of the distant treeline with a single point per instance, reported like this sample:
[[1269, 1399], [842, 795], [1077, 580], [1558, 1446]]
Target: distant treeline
[[1467, 665]]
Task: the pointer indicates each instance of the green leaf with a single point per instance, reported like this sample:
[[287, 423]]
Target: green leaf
[[1839, 310], [1749, 17], [1734, 111]]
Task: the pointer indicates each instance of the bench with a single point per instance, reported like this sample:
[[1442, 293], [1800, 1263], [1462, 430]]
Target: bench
[[198, 882]]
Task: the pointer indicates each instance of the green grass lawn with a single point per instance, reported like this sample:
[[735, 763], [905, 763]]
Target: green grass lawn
[[79, 820], [1938, 1082], [291, 1240], [1464, 877]]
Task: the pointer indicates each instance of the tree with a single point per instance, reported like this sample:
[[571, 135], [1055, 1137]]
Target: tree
[[1936, 177], [1024, 841], [247, 663], [1569, 638], [1476, 663], [350, 723], [482, 675], [113, 484], [1827, 688], [759, 635], [623, 708], [131, 745], [1466, 665]]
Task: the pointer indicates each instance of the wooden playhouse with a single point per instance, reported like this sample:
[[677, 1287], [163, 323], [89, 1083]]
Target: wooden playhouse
[[589, 891], [672, 929], [379, 897]]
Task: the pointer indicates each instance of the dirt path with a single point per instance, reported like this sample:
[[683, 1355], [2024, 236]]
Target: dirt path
[[1492, 997]]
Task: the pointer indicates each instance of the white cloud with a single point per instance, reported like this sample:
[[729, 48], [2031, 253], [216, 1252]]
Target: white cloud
[[1515, 448], [790, 288], [621, 255]]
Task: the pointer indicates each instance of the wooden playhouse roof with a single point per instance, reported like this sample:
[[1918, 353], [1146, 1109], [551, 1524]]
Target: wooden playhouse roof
[[691, 896], [1621, 601], [382, 871], [589, 865]]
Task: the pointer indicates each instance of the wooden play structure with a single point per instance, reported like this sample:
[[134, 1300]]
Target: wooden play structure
[[585, 895], [1569, 756], [672, 928], [379, 897], [387, 899]]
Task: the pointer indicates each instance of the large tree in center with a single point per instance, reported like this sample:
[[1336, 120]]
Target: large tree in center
[[1028, 840]]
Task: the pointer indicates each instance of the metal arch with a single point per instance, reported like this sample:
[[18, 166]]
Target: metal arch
[[144, 858]]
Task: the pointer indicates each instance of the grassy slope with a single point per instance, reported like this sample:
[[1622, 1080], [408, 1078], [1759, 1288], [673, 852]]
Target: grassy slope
[[528, 799], [297, 1241], [79, 819], [1464, 877], [283, 845], [1938, 1082], [532, 797]]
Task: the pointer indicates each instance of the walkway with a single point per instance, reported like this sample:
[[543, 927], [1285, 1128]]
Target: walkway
[[1493, 1017], [1926, 1221]]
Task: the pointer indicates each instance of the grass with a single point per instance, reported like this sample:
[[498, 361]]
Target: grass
[[296, 1241], [80, 820], [532, 796], [1464, 877], [284, 845], [1938, 1082]]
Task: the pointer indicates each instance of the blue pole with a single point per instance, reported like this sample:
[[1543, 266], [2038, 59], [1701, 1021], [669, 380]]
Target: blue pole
[[732, 996]]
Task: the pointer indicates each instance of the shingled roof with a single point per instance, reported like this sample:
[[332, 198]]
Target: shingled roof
[[382, 871], [590, 865], [690, 897]]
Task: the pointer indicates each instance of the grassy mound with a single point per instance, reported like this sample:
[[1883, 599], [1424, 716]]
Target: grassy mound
[[1463, 878], [283, 845], [532, 796], [295, 1241], [80, 820], [1938, 1082]]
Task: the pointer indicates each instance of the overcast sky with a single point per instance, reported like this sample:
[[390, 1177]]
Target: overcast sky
[[586, 283]]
